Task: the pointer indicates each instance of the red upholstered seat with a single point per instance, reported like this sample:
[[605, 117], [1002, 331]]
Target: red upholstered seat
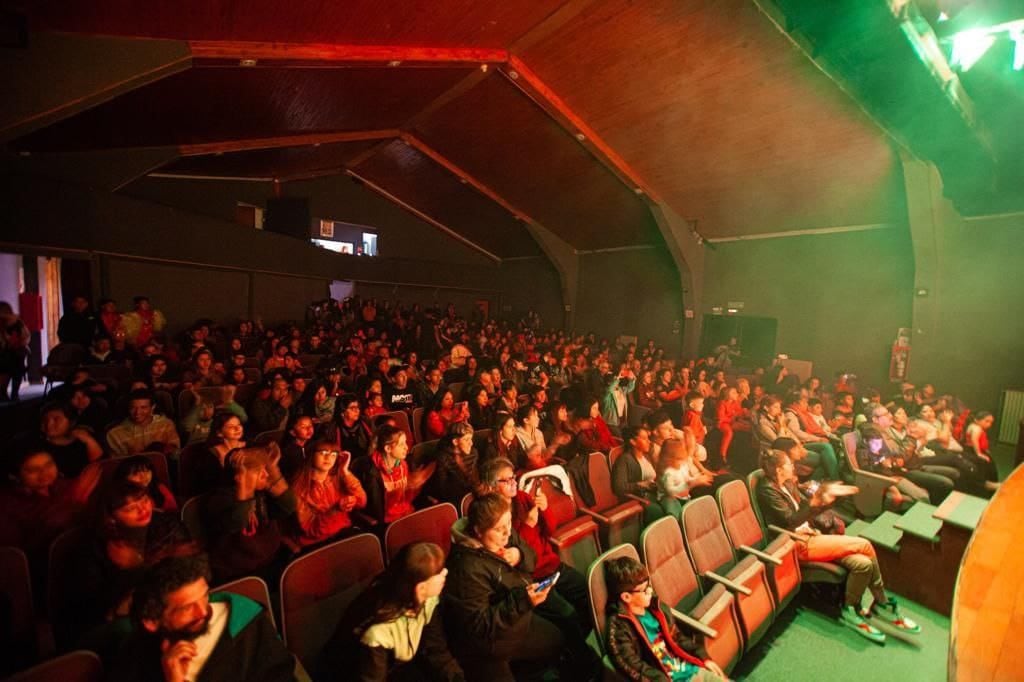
[[432, 524], [598, 589], [77, 666], [619, 521], [676, 584], [575, 537], [712, 555], [252, 587]]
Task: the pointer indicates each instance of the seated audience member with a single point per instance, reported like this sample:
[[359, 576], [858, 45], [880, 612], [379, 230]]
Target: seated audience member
[[374, 404], [325, 492], [277, 360], [784, 504], [401, 395], [317, 404], [442, 413], [503, 442], [138, 470], [156, 376], [529, 523], [976, 442], [210, 469], [430, 388], [355, 432], [196, 425], [481, 413], [594, 434], [643, 640], [389, 484], [297, 446], [183, 632], [72, 447], [38, 503], [394, 630], [646, 395], [693, 418], [633, 472], [901, 462], [79, 324], [492, 604], [270, 409], [131, 536], [938, 428], [670, 394], [243, 515], [455, 466], [873, 455], [660, 429], [100, 352], [143, 431], [90, 411], [801, 424], [299, 383], [731, 416], [843, 413], [531, 437], [770, 423], [203, 372], [817, 411]]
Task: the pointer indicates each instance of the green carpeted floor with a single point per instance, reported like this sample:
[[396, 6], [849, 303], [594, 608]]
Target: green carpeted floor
[[809, 644]]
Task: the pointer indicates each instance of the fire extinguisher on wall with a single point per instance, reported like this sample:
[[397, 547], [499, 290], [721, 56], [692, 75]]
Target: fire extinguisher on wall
[[899, 359]]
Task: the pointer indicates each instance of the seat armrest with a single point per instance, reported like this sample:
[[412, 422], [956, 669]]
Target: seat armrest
[[363, 519], [694, 624], [636, 498], [784, 531], [872, 476], [594, 515], [761, 555], [733, 586]]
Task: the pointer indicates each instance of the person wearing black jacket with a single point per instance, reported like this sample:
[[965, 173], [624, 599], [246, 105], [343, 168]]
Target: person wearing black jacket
[[784, 504], [78, 325], [492, 603], [182, 632]]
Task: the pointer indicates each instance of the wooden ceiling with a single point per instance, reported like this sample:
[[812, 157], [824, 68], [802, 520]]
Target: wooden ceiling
[[563, 113]]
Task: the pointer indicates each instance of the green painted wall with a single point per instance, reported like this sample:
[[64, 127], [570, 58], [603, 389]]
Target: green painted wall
[[839, 298]]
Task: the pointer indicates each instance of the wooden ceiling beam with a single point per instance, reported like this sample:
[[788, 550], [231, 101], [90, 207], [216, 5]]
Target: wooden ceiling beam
[[222, 52], [531, 85], [251, 144]]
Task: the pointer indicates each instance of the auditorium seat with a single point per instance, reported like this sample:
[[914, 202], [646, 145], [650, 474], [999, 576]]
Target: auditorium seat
[[870, 501], [712, 613], [597, 587], [17, 616], [810, 571], [714, 560], [619, 521], [432, 524], [744, 532], [192, 517], [417, 424], [252, 587], [75, 666], [268, 437], [318, 587], [401, 421]]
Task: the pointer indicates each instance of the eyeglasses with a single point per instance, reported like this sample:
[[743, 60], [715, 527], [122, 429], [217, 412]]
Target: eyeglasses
[[511, 480], [642, 590], [332, 453]]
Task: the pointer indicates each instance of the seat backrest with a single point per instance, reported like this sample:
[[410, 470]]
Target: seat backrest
[[467, 499], [753, 480], [68, 354], [318, 587], [433, 524], [850, 447], [192, 517], [598, 588], [16, 595], [61, 587], [76, 666], [671, 572], [480, 438], [401, 421], [252, 587], [188, 460], [600, 482], [613, 455], [561, 505], [419, 452], [457, 389], [706, 541], [268, 437], [417, 424], [738, 517]]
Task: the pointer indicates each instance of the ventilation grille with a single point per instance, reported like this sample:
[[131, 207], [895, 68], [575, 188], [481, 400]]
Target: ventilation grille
[[1011, 416]]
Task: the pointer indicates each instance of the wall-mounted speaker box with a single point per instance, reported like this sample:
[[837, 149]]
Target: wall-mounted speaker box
[[290, 216]]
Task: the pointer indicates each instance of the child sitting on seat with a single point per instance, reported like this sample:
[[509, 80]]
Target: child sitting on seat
[[643, 641]]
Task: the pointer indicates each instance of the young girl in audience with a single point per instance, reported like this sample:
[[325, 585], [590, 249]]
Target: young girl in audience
[[297, 446], [481, 414], [226, 435], [646, 395], [503, 442], [594, 434], [731, 417], [977, 450], [138, 469], [393, 630], [671, 395], [326, 492], [374, 404], [442, 414], [354, 431], [455, 469], [71, 448], [317, 403], [389, 484]]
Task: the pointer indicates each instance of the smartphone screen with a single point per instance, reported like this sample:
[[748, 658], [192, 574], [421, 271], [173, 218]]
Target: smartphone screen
[[547, 582]]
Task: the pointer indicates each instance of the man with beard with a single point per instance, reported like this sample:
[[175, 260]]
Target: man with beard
[[182, 632]]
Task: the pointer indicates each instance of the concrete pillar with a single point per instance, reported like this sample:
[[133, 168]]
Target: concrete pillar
[[566, 262], [689, 258]]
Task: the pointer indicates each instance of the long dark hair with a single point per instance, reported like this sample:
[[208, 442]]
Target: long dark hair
[[135, 464], [393, 592]]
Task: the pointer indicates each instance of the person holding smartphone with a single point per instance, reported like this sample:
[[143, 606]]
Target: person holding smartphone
[[493, 603], [326, 492]]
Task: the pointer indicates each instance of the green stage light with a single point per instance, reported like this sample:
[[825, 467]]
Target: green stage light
[[969, 47]]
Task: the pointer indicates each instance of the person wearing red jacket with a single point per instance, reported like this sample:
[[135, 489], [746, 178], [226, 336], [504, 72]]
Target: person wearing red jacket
[[731, 417]]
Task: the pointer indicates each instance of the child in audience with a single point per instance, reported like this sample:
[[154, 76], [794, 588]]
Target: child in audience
[[693, 418], [326, 493], [643, 641], [138, 470], [390, 486]]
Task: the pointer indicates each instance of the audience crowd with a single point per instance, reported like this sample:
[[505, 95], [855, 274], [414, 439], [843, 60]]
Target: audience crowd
[[282, 439]]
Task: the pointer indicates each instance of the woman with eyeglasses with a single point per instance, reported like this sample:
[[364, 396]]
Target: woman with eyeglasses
[[494, 603], [325, 494], [394, 629]]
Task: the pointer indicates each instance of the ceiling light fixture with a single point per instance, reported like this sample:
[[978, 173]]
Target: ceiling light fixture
[[580, 137], [247, 62], [395, 62]]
